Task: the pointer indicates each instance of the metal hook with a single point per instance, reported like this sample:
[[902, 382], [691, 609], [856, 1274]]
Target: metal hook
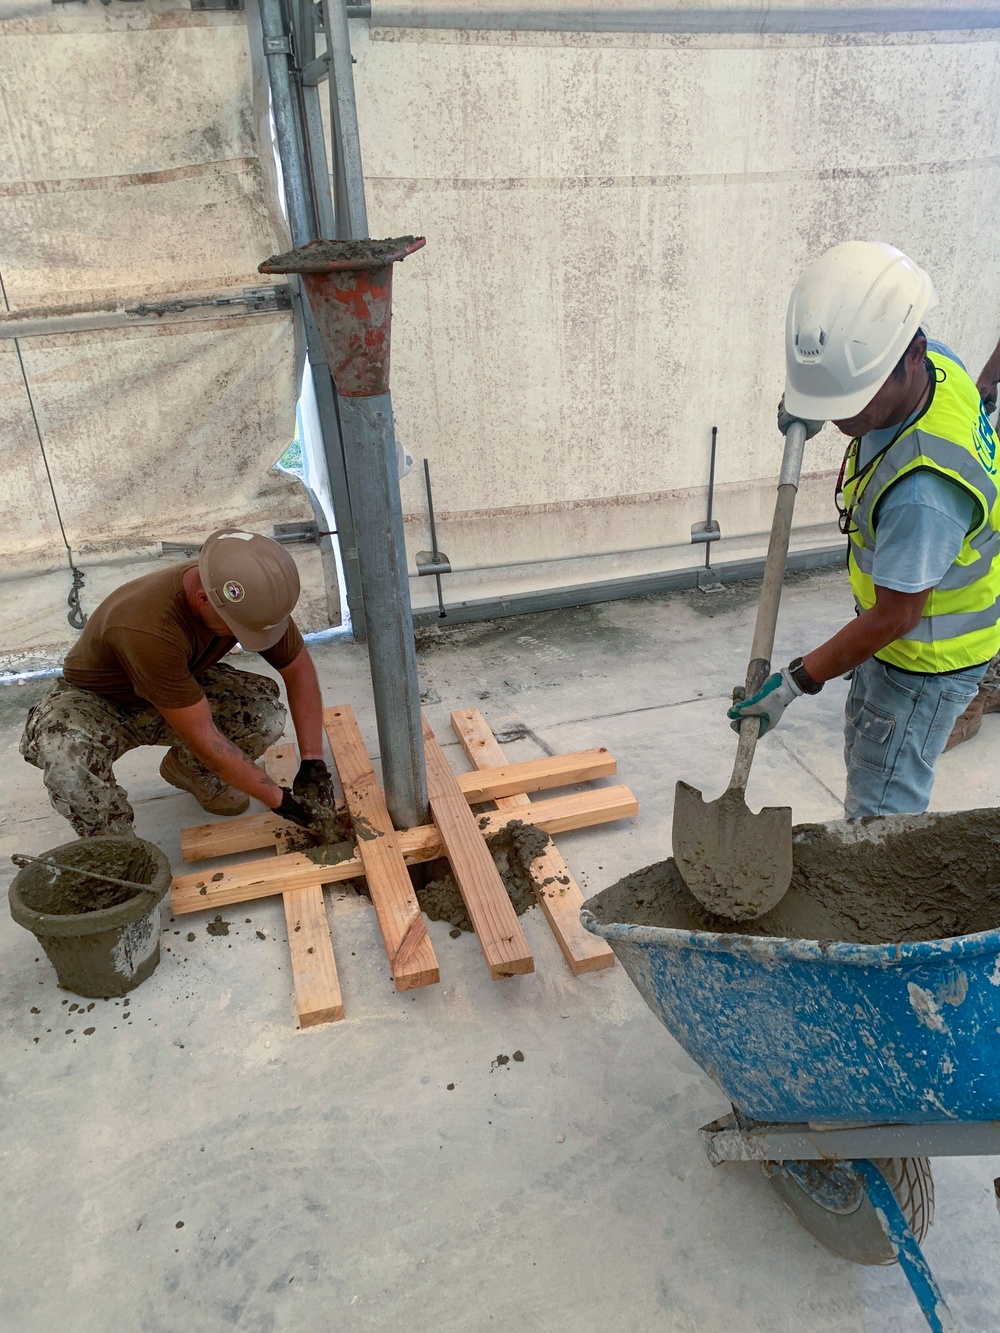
[[77, 617]]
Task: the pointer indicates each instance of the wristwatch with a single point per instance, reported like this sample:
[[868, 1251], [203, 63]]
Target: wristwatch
[[802, 677]]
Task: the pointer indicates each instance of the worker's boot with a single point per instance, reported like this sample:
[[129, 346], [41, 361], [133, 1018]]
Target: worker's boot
[[212, 794], [990, 695], [968, 723]]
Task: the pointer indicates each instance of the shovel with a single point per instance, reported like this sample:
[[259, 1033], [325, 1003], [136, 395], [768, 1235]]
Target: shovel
[[736, 863]]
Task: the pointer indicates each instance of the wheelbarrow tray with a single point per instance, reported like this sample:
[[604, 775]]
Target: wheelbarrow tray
[[800, 1030]]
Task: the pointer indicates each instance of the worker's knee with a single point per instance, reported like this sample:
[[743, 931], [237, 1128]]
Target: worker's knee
[[246, 707]]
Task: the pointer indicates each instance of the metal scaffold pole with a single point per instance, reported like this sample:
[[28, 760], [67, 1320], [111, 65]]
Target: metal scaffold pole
[[365, 404], [298, 134]]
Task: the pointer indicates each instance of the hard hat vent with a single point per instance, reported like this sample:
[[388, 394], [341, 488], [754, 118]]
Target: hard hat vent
[[810, 343]]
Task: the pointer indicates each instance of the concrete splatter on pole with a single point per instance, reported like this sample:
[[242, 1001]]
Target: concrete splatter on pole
[[349, 286]]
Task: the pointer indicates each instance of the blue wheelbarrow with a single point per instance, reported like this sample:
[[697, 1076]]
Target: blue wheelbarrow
[[851, 1057]]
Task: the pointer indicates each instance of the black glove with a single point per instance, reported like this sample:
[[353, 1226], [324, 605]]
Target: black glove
[[785, 419], [293, 810], [313, 784]]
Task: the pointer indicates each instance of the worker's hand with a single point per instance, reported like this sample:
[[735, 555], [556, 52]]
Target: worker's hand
[[313, 785], [292, 810], [988, 392], [785, 419], [768, 703]]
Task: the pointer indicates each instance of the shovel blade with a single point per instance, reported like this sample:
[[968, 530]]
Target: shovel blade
[[736, 863]]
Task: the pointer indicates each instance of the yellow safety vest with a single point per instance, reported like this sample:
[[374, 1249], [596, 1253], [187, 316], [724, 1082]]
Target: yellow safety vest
[[960, 623]]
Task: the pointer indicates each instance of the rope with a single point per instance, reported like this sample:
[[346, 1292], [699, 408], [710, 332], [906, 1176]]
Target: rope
[[76, 616]]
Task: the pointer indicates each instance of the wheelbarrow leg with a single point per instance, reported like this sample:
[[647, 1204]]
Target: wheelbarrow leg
[[909, 1253]]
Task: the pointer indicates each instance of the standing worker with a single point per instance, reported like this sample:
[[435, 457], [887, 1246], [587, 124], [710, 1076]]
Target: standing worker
[[918, 500], [147, 670], [987, 698]]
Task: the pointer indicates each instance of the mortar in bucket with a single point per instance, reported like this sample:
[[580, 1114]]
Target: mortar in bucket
[[95, 907]]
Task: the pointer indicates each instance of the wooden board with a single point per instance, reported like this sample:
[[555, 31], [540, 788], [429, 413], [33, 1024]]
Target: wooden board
[[554, 770], [558, 892], [201, 890], [264, 829], [483, 892], [281, 763], [314, 970], [407, 944]]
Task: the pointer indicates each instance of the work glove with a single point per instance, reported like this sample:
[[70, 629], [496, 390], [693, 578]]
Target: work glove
[[292, 810], [313, 785], [988, 393], [785, 419], [768, 703]]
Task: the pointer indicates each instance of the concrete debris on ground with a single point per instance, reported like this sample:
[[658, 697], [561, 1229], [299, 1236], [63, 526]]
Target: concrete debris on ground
[[197, 1164]]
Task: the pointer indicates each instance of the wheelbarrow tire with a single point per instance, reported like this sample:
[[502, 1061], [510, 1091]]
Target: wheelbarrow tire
[[854, 1232]]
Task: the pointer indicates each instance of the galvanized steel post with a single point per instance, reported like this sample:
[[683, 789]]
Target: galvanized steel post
[[349, 286], [297, 123]]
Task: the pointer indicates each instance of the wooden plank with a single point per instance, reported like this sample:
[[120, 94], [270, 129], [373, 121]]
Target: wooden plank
[[557, 890], [244, 833], [310, 946], [203, 889], [317, 987], [483, 892], [264, 829], [556, 770], [281, 763], [404, 931], [200, 890]]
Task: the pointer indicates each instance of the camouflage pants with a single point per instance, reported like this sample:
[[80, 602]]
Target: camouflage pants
[[75, 736], [991, 680]]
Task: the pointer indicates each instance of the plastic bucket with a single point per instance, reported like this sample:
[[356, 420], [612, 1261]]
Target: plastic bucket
[[100, 938]]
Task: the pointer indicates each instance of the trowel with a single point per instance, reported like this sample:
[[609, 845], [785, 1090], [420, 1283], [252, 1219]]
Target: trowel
[[739, 864]]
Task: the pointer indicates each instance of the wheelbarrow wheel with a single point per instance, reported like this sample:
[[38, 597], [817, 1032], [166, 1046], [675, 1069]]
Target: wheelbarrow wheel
[[830, 1201]]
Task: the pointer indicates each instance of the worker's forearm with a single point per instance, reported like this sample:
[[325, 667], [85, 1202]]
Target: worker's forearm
[[855, 643], [990, 373], [229, 763], [305, 702]]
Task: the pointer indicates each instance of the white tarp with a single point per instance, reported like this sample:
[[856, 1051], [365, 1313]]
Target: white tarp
[[614, 221], [133, 169]]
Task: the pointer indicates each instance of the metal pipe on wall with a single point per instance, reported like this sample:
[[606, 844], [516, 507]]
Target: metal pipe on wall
[[693, 19], [613, 590], [348, 175]]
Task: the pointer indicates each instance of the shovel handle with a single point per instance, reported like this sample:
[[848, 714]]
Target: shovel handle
[[770, 594]]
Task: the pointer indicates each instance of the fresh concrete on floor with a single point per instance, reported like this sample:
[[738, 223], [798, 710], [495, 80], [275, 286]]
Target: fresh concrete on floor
[[196, 1163]]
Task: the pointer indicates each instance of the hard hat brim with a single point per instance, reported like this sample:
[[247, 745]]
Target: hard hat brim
[[840, 408], [254, 641]]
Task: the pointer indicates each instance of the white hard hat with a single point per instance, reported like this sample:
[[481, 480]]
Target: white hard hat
[[851, 316]]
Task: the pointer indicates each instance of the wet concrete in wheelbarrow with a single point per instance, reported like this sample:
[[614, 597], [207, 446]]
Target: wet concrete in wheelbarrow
[[936, 877]]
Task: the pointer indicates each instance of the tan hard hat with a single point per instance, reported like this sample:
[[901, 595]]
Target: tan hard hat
[[253, 584]]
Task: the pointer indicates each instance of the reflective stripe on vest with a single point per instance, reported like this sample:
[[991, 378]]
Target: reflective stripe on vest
[[960, 623]]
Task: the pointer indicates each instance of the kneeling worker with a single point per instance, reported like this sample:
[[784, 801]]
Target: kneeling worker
[[918, 500], [147, 670]]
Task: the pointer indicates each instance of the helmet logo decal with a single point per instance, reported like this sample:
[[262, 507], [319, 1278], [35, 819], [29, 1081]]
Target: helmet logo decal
[[233, 591]]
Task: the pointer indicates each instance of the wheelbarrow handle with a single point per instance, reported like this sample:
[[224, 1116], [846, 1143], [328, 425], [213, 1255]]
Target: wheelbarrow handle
[[770, 593]]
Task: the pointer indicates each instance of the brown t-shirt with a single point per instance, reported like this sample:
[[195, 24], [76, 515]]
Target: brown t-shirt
[[144, 643]]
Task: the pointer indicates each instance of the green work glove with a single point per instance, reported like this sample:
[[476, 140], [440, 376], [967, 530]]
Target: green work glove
[[785, 419], [768, 703]]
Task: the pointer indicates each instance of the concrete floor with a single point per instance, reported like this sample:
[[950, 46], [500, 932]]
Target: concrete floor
[[198, 1164]]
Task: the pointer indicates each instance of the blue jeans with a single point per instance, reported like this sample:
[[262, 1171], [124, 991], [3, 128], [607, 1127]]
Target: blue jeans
[[896, 724]]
